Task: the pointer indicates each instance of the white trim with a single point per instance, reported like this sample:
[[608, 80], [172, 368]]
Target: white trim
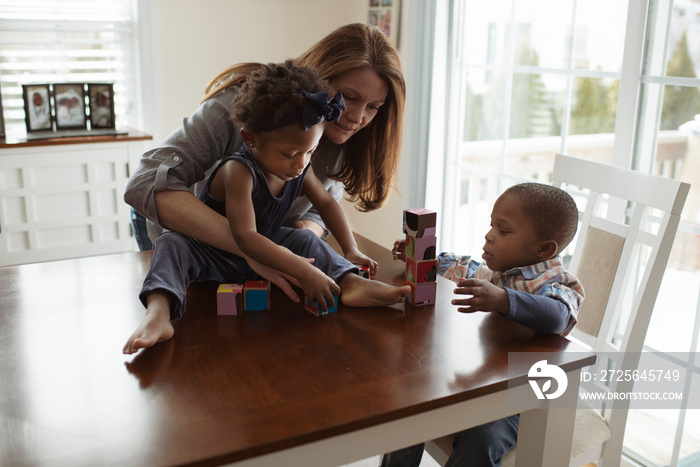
[[419, 84], [627, 102], [149, 68]]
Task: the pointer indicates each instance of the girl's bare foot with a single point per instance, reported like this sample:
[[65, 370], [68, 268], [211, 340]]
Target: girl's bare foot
[[357, 291], [155, 327]]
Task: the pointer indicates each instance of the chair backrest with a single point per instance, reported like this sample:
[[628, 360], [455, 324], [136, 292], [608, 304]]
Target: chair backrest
[[628, 221]]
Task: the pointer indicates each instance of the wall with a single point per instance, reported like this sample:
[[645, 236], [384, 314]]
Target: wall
[[193, 41]]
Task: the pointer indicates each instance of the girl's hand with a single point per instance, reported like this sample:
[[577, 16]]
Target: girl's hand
[[278, 278], [355, 256], [399, 250], [484, 297], [318, 286]]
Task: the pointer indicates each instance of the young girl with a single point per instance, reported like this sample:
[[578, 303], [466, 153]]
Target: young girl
[[282, 110]]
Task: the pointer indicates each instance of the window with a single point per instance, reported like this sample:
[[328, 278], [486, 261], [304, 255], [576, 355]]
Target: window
[[77, 41], [529, 78]]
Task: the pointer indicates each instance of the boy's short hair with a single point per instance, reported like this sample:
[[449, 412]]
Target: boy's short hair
[[552, 211]]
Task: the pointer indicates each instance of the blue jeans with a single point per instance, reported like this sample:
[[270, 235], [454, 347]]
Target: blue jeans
[[138, 223], [481, 446]]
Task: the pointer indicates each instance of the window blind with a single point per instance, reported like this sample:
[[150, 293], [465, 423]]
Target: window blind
[[69, 41]]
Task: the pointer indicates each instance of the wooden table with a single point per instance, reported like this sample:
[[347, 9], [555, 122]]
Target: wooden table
[[281, 387]]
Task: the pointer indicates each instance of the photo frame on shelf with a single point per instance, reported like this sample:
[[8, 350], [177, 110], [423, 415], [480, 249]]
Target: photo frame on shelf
[[69, 99], [101, 104], [37, 107], [386, 15]]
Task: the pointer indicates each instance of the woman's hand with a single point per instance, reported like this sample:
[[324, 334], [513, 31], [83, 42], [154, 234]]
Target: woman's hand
[[484, 297], [355, 256], [280, 279]]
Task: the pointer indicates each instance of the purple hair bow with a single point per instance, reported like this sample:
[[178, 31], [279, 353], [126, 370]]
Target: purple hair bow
[[318, 108]]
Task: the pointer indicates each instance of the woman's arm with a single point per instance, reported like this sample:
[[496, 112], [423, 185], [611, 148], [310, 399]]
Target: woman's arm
[[183, 159], [203, 223], [182, 212]]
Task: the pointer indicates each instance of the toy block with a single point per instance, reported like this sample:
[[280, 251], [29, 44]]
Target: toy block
[[419, 222], [256, 295], [312, 306], [421, 248], [422, 294], [229, 299], [365, 272], [420, 272]]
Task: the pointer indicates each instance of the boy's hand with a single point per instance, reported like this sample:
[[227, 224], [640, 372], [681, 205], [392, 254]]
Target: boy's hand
[[355, 256], [484, 297], [399, 250], [318, 286]]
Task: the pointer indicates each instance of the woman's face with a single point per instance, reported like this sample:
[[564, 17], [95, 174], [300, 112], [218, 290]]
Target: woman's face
[[364, 92]]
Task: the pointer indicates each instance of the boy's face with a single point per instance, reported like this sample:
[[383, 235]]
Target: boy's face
[[286, 153], [511, 242]]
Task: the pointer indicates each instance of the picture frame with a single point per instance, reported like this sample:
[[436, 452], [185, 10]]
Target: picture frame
[[101, 105], [386, 15], [38, 108], [69, 99]]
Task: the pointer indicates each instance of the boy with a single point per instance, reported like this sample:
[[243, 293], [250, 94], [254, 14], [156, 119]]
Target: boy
[[521, 279]]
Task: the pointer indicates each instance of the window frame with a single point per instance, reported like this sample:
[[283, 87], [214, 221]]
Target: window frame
[[635, 129]]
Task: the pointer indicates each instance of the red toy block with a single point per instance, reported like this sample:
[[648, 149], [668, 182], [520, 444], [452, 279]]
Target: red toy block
[[365, 272], [229, 299], [256, 295], [420, 272]]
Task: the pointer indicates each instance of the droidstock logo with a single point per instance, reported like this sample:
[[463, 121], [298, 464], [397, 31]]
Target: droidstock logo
[[552, 372]]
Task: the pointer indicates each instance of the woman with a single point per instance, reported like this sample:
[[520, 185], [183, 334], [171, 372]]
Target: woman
[[359, 153]]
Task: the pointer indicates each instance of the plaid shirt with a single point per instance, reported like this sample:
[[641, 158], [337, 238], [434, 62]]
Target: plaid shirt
[[548, 278]]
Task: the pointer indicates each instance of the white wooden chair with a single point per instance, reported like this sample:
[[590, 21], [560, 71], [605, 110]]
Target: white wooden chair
[[628, 221]]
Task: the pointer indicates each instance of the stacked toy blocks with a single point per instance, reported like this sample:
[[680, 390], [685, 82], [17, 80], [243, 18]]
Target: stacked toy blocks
[[232, 299], [419, 225]]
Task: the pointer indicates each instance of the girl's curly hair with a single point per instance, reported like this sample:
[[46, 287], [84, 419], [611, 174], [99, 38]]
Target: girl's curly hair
[[273, 92]]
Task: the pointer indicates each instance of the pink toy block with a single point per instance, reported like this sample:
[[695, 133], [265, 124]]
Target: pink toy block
[[420, 272], [312, 306], [256, 295], [421, 248], [229, 299], [422, 294], [419, 222]]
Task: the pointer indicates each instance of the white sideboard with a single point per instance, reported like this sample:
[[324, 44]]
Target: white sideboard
[[63, 198]]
